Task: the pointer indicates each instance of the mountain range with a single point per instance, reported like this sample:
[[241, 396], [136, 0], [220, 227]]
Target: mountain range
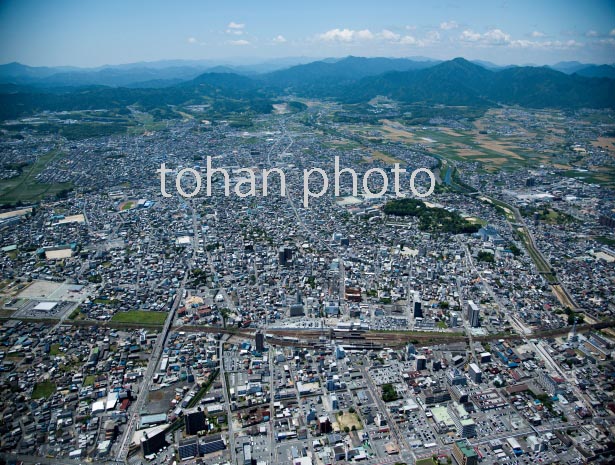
[[26, 90]]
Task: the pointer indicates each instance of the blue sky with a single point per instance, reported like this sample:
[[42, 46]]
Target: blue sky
[[93, 33]]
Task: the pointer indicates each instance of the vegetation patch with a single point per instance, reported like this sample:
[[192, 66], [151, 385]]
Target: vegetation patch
[[389, 394], [140, 317], [25, 187], [43, 390], [431, 219]]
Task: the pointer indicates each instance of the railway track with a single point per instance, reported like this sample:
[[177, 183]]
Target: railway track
[[312, 338]]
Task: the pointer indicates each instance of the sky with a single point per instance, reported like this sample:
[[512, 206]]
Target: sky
[[91, 33]]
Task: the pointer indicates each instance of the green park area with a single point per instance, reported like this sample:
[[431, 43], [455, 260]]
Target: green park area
[[140, 317], [43, 390], [26, 188]]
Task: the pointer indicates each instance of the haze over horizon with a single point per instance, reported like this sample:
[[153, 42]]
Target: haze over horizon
[[87, 34]]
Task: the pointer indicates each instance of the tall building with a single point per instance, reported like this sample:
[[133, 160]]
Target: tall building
[[296, 309], [417, 307], [475, 373], [464, 454], [195, 422], [324, 425], [153, 439], [285, 256], [466, 428], [455, 377], [260, 342], [473, 314], [421, 362]]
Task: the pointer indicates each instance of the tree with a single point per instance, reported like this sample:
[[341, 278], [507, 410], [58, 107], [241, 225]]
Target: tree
[[388, 393], [224, 313]]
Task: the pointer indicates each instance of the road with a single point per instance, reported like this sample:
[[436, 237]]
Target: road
[[137, 406], [405, 449], [227, 400]]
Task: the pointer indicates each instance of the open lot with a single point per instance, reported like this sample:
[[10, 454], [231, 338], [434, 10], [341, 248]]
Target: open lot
[[54, 291], [140, 316], [26, 188]]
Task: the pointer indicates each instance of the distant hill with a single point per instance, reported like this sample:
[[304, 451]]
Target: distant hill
[[319, 75], [568, 67], [157, 74], [607, 71], [587, 70], [352, 80], [226, 92], [459, 82]]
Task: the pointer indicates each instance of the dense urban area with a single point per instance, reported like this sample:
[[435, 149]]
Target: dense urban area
[[474, 325]]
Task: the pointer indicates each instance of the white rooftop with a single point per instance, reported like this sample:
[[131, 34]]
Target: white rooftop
[[45, 306]]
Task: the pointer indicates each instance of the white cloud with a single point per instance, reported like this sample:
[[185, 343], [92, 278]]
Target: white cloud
[[192, 40], [607, 41], [470, 36], [410, 28], [365, 34], [612, 33], [408, 40], [239, 42], [448, 25], [491, 37], [547, 44], [537, 34], [235, 28], [346, 35], [433, 36], [279, 39], [350, 36], [389, 35], [497, 37], [591, 33]]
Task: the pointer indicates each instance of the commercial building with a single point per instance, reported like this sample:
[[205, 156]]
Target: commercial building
[[464, 454], [466, 428], [417, 307], [473, 314], [211, 444], [195, 422], [260, 342], [188, 448], [475, 373]]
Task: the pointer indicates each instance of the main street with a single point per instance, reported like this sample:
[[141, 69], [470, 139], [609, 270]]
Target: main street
[[137, 406]]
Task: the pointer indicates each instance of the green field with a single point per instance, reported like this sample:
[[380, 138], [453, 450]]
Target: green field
[[606, 240], [43, 390], [427, 461], [54, 349], [140, 317], [25, 188]]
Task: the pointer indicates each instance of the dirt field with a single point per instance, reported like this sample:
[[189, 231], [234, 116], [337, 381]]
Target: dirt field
[[49, 290], [450, 132], [607, 143], [350, 420], [496, 146], [376, 154]]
